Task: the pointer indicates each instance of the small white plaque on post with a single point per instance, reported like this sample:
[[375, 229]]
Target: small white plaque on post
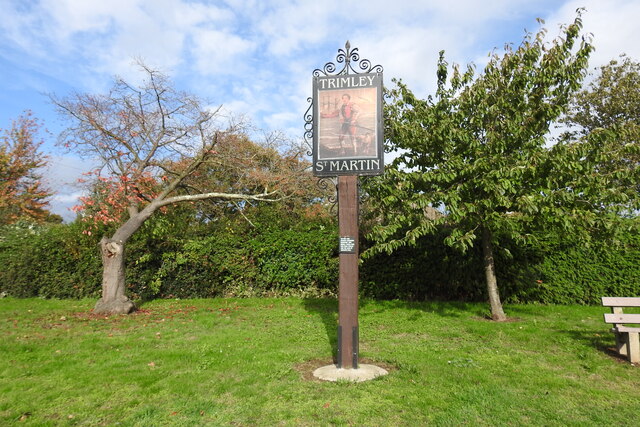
[[347, 245]]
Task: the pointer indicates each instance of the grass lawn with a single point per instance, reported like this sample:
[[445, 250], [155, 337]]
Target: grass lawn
[[249, 362]]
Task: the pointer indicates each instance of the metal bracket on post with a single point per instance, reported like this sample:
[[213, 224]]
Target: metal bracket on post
[[356, 345], [339, 362]]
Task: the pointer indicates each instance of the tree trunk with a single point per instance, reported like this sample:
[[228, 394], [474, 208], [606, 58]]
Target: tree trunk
[[114, 300], [497, 313]]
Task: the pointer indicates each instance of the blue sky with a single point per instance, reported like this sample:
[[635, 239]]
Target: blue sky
[[256, 57]]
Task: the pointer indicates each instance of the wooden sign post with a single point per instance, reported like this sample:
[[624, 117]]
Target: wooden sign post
[[347, 130], [348, 339]]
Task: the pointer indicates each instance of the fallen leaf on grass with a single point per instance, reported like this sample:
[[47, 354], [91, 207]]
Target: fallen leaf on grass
[[152, 364]]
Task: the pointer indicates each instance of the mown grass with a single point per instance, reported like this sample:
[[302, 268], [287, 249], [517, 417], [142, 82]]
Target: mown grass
[[248, 362]]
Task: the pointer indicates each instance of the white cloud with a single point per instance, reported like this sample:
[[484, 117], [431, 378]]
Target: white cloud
[[219, 52], [83, 41], [256, 57], [67, 18], [290, 27], [61, 204], [62, 174], [613, 23], [68, 199]]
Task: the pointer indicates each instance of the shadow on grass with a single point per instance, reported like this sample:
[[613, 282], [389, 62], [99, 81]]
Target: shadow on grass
[[598, 340], [442, 308], [327, 310]]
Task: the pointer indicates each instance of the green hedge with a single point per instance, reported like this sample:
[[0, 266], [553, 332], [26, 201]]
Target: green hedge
[[570, 274], [54, 261], [288, 259], [201, 267], [166, 259], [60, 262], [430, 270], [553, 271], [278, 261]]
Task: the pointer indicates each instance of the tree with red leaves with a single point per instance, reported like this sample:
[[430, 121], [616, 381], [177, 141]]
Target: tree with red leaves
[[159, 146], [22, 193]]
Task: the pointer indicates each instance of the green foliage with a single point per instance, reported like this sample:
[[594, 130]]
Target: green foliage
[[606, 113], [554, 269], [54, 261], [428, 270], [474, 152], [203, 267], [477, 153], [274, 251], [612, 98], [264, 250], [289, 259], [566, 272], [273, 262]]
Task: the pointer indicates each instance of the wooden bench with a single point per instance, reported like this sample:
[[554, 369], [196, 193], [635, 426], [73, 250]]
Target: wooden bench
[[627, 337]]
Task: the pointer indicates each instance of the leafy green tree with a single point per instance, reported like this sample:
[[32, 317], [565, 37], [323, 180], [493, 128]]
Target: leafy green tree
[[612, 98], [610, 105], [477, 153]]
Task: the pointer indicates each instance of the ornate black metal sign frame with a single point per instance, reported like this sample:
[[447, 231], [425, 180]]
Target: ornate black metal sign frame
[[344, 120]]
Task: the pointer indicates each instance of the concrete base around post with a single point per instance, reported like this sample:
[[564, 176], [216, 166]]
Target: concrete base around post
[[363, 373]]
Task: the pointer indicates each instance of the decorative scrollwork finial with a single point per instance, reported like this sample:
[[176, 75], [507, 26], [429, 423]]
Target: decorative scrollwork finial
[[349, 57]]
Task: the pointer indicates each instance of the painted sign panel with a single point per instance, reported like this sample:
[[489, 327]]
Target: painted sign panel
[[347, 125]]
